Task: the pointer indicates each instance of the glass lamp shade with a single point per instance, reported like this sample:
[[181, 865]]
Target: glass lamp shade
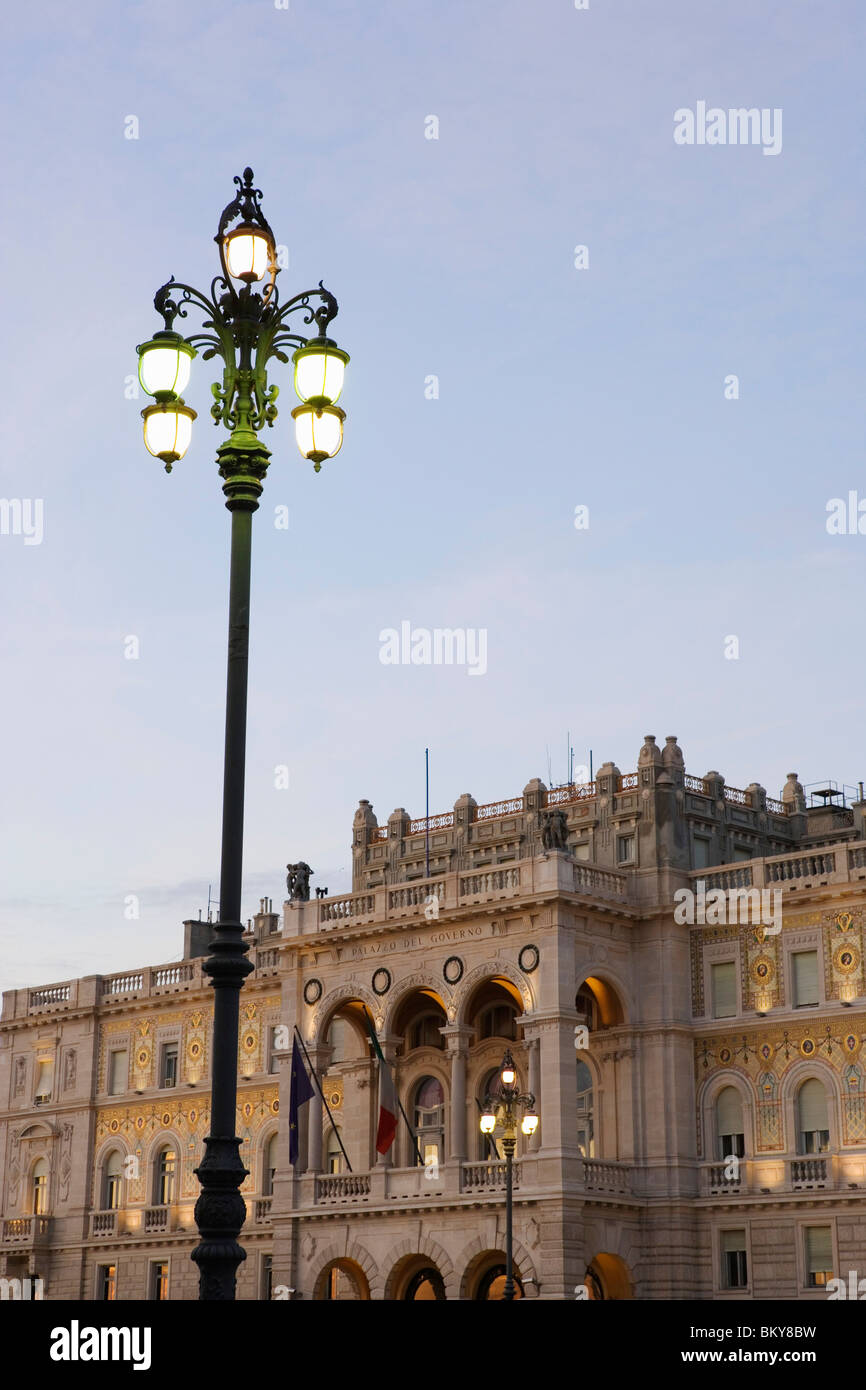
[[319, 431], [164, 365], [530, 1124], [168, 430], [488, 1123], [508, 1076], [320, 368], [247, 252]]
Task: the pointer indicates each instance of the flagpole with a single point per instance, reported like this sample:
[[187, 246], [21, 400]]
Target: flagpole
[[426, 812], [382, 1063], [315, 1081]]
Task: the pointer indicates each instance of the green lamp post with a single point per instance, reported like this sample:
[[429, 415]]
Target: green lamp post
[[500, 1110], [246, 329]]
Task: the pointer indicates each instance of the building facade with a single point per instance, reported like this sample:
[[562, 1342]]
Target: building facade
[[677, 968]]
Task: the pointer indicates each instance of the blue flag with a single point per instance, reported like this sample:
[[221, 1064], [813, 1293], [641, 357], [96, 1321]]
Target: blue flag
[[301, 1092]]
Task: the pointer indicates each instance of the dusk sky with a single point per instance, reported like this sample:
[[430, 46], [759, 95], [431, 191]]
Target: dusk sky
[[604, 385]]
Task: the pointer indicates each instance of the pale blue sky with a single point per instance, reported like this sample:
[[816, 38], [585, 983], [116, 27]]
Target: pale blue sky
[[558, 387]]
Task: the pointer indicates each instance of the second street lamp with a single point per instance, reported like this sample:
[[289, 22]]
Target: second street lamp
[[246, 329], [500, 1110]]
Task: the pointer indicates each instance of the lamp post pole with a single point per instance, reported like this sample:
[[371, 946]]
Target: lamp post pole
[[247, 330], [500, 1110]]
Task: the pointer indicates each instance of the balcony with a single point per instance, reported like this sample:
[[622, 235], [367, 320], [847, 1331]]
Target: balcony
[[157, 1220], [262, 1211], [26, 1231], [103, 1224], [767, 1177]]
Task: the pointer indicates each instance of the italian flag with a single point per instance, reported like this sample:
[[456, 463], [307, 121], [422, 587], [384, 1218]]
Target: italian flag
[[387, 1100]]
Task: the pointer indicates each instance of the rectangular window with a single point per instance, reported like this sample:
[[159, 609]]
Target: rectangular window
[[724, 986], [168, 1066], [734, 1270], [581, 850], [804, 978], [273, 1049], [118, 1072], [159, 1281], [819, 1256], [44, 1081], [702, 852], [625, 849], [742, 852], [107, 1283], [267, 1277]]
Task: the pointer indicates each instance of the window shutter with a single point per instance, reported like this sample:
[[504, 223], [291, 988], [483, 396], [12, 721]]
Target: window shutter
[[812, 1106], [724, 990], [805, 972], [118, 1080], [729, 1112], [733, 1240], [819, 1249]]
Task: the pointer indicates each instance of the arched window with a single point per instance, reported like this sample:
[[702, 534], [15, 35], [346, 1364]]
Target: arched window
[[39, 1188], [729, 1124], [587, 1008], [429, 1121], [334, 1154], [813, 1126], [489, 1146], [498, 1021], [270, 1171], [585, 1124], [111, 1186], [165, 1170], [424, 1031]]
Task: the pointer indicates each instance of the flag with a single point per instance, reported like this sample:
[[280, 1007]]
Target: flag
[[387, 1100], [301, 1092]]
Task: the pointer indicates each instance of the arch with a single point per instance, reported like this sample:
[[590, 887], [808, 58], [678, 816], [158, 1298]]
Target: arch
[[426, 1252], [707, 1097], [499, 971], [351, 1253], [420, 982], [166, 1141], [39, 1130], [336, 998], [806, 1069], [353, 1287], [476, 1256], [414, 1005], [608, 1278], [615, 1005]]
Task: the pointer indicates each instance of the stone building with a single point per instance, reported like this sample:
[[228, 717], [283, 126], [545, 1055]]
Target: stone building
[[698, 1071]]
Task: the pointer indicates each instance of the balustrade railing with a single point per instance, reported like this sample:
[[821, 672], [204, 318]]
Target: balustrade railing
[[606, 881], [263, 1210], [173, 975], [440, 822], [341, 909], [801, 866], [498, 808], [491, 881], [122, 984], [155, 1219], [807, 1173], [576, 791], [606, 1177], [103, 1223], [342, 1187], [738, 797], [487, 1177]]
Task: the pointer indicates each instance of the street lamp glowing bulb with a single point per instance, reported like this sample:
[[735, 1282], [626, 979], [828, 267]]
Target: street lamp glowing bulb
[[248, 253], [508, 1076], [488, 1123], [164, 365], [168, 430], [319, 431], [530, 1124], [320, 369]]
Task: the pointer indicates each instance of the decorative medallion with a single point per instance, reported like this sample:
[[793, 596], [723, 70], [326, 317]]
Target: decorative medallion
[[452, 970], [193, 1051], [807, 1047], [250, 1042], [725, 1054], [766, 1051], [114, 1126], [246, 1110], [846, 958], [193, 1116], [139, 1122], [528, 959], [763, 969], [143, 1058], [166, 1117], [382, 981], [844, 921], [275, 1107], [312, 991], [852, 1043]]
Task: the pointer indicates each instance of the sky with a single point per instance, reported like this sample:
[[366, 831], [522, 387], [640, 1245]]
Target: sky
[[551, 303]]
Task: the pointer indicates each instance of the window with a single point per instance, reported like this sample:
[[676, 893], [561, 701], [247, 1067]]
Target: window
[[701, 855], [585, 1131], [625, 849], [819, 1256], [168, 1065], [804, 978], [729, 1123], [496, 1021], [118, 1072], [106, 1283], [44, 1081], [165, 1166], [724, 988], [270, 1167], [424, 1031], [39, 1188], [813, 1126], [267, 1277], [742, 853], [334, 1154], [159, 1281], [734, 1268], [112, 1184], [430, 1121], [586, 1005], [274, 1047], [581, 850]]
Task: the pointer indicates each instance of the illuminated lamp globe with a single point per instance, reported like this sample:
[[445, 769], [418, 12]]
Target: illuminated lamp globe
[[318, 431], [529, 1124], [487, 1122], [320, 369], [247, 252], [168, 430], [164, 365]]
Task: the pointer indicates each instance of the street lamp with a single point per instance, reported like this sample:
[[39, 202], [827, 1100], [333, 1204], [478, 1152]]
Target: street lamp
[[246, 330], [500, 1108]]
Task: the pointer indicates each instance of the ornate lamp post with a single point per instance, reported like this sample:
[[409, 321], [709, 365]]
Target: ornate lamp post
[[246, 330], [501, 1109]]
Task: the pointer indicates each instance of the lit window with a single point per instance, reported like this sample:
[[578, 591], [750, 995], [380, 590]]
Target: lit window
[[40, 1187], [107, 1283], [429, 1121], [159, 1281], [819, 1256], [585, 1127], [112, 1189], [165, 1168]]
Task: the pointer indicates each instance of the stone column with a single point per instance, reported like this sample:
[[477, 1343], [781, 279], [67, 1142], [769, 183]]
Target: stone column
[[532, 1047], [320, 1057], [457, 1042]]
